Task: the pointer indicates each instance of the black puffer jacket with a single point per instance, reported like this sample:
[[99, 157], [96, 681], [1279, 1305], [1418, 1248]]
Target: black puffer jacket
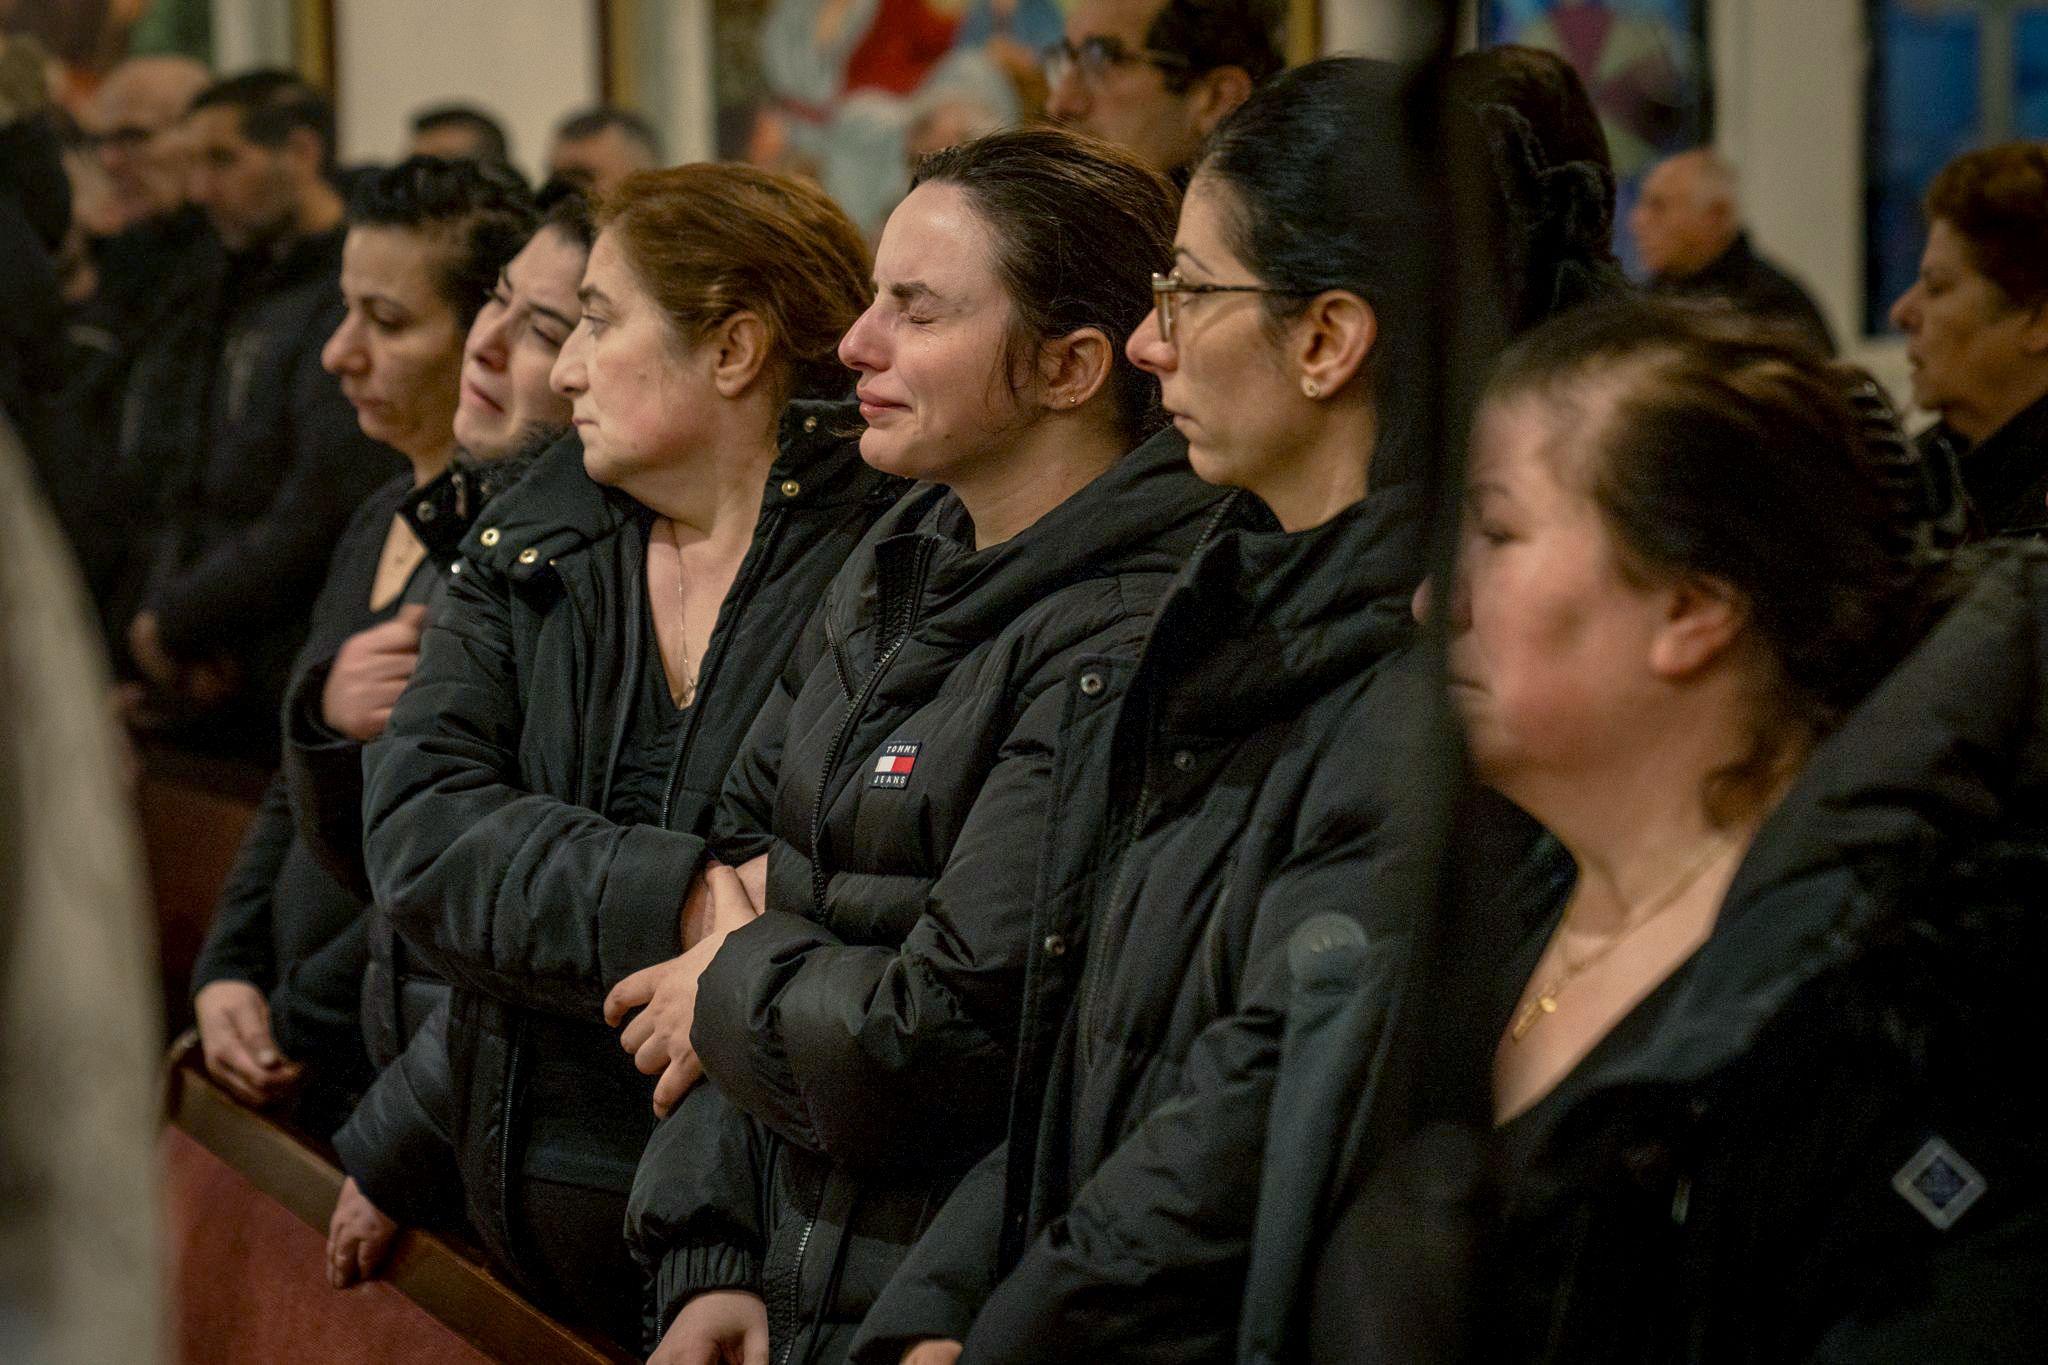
[[484, 839], [1241, 806], [1820, 1138], [2005, 475], [899, 785]]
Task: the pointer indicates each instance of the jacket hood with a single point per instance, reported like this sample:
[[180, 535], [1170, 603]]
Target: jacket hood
[[1145, 513], [556, 509], [1281, 617], [1949, 751]]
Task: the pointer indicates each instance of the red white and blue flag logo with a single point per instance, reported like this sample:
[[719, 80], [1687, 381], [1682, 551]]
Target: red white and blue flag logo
[[893, 765]]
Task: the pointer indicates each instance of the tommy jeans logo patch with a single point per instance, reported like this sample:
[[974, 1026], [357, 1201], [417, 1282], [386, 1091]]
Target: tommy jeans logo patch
[[893, 765]]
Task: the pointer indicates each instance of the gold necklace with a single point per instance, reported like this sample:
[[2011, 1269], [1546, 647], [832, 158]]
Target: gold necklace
[[689, 688], [1545, 1002]]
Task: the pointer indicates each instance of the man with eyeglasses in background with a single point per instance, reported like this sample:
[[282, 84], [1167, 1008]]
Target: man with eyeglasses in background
[[1155, 76]]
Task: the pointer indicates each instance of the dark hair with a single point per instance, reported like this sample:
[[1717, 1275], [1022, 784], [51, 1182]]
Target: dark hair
[[489, 133], [591, 122], [1719, 449], [566, 209], [1997, 202], [481, 211], [1079, 227], [1555, 182], [1247, 34], [711, 239], [271, 105]]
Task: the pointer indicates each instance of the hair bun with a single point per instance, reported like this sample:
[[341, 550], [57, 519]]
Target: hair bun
[[1562, 214]]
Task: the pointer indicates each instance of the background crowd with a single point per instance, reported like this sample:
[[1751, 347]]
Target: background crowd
[[1223, 745]]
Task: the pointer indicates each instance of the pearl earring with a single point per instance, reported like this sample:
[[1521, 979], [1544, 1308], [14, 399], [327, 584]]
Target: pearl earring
[[1311, 388]]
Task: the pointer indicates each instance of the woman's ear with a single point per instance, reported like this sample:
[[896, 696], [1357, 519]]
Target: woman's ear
[[1216, 93], [1702, 618], [739, 350], [1332, 338], [1072, 369]]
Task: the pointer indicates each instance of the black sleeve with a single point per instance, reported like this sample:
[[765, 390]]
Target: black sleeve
[[740, 827], [696, 1217], [264, 575], [240, 944], [1150, 1260], [323, 773], [866, 1053], [517, 895], [947, 1276], [314, 1008], [399, 1144]]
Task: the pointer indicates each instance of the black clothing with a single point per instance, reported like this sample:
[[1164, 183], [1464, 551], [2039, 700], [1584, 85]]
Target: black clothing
[[1739, 1171], [131, 406], [35, 212], [281, 467], [1251, 800], [286, 922], [2004, 476], [486, 838], [899, 783], [1755, 286]]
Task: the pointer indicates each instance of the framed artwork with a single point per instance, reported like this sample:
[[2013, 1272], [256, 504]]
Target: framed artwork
[[849, 90], [1644, 63]]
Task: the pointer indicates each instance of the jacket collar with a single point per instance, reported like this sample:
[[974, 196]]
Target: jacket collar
[[1948, 749], [2006, 474], [1265, 620], [556, 509], [441, 512], [1145, 513]]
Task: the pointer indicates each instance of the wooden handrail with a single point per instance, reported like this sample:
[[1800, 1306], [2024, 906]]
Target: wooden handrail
[[449, 1285]]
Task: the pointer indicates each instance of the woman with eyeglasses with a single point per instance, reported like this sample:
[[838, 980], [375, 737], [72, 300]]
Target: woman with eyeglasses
[[859, 1031], [1249, 808]]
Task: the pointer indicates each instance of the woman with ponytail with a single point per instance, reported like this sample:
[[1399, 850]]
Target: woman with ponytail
[[1747, 1081], [1249, 808]]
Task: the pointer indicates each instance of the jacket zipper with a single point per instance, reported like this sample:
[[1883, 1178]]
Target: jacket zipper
[[898, 638], [736, 593], [796, 1289]]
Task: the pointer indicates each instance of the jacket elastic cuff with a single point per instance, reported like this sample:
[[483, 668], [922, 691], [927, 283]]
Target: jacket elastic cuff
[[304, 726], [686, 1272], [639, 920]]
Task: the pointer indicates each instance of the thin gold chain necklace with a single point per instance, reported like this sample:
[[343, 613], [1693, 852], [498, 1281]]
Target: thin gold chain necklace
[[689, 688], [1545, 1002]]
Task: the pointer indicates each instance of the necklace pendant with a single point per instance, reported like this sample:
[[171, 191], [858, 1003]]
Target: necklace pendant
[[1533, 1011]]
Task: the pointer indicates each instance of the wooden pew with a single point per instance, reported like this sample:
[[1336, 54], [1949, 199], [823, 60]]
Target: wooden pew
[[248, 1202]]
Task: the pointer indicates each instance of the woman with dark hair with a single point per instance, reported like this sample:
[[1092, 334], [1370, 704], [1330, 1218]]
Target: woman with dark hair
[[1250, 802], [1748, 1083], [278, 983], [538, 805], [1976, 325], [860, 1028]]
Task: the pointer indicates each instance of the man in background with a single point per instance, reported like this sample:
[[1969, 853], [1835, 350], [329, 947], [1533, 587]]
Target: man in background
[[459, 132], [133, 125], [270, 460], [1688, 226], [1156, 76], [596, 149]]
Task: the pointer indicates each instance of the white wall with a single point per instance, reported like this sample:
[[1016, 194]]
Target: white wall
[[527, 62]]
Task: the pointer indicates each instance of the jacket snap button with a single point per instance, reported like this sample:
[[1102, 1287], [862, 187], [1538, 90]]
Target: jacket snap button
[[456, 567], [790, 487], [1091, 684], [1183, 760], [425, 511], [489, 536], [810, 424], [529, 555], [1055, 946]]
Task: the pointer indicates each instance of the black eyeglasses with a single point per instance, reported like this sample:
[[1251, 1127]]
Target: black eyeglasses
[[1168, 289], [1094, 58]]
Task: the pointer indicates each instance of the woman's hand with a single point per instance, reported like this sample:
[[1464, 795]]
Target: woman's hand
[[369, 673], [358, 1237], [666, 996], [933, 1352], [754, 878], [240, 1050], [723, 1327]]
